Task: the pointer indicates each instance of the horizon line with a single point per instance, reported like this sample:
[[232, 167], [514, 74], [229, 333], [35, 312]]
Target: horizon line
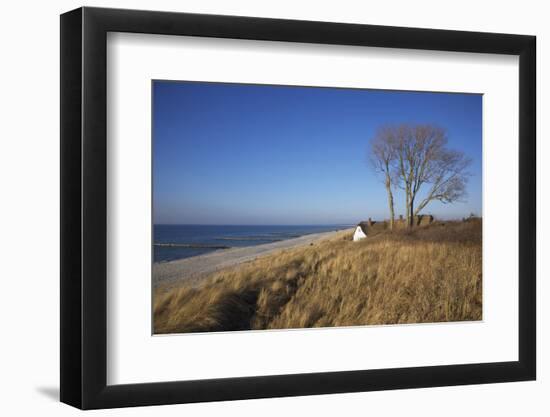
[[459, 218], [254, 224]]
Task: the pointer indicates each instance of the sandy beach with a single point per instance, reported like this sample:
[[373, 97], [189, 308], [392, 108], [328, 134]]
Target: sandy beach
[[191, 269]]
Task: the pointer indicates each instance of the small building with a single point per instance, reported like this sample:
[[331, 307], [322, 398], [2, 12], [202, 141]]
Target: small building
[[360, 232], [424, 219]]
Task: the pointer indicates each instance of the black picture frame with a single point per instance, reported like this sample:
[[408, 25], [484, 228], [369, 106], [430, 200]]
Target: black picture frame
[[84, 207]]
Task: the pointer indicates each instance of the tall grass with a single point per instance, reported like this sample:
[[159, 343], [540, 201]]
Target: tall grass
[[429, 274]]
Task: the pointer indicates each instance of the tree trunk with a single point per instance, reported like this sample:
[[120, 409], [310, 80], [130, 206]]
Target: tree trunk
[[390, 201], [408, 205], [411, 213]]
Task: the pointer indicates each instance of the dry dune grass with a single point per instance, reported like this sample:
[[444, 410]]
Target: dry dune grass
[[429, 274]]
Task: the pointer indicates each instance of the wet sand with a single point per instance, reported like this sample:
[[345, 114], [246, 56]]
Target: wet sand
[[192, 269]]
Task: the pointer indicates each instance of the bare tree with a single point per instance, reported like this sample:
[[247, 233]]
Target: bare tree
[[423, 158], [383, 157], [415, 158]]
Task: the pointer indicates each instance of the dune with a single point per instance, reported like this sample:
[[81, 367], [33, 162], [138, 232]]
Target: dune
[[192, 269], [427, 274]]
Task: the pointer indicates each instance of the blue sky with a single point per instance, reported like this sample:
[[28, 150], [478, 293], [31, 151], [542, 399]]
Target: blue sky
[[254, 154]]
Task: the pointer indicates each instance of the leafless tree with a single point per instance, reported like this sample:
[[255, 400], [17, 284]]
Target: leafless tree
[[383, 157], [415, 158], [424, 159]]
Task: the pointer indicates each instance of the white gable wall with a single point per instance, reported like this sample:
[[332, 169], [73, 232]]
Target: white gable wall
[[359, 234]]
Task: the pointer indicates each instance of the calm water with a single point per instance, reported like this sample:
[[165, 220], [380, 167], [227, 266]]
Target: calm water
[[173, 242]]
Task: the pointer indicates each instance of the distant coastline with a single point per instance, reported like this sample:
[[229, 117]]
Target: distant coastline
[[193, 268], [181, 241]]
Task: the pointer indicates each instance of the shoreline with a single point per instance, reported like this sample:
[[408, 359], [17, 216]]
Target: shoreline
[[196, 267]]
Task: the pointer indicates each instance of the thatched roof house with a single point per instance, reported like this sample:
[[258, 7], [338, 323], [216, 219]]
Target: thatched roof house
[[365, 228], [361, 230], [360, 233], [423, 219]]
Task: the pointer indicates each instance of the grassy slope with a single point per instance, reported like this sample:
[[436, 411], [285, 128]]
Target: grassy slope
[[430, 274]]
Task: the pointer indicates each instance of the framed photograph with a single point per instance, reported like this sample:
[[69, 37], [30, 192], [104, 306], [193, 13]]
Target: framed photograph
[[257, 208]]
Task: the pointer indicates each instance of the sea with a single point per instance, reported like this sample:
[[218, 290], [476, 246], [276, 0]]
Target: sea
[[172, 242]]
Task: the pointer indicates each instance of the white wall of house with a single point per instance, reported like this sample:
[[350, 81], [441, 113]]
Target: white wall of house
[[359, 234]]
